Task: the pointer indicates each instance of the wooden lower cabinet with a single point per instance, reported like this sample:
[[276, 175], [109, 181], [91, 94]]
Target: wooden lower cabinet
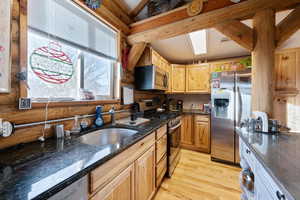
[[186, 130], [121, 188], [145, 175], [195, 133]]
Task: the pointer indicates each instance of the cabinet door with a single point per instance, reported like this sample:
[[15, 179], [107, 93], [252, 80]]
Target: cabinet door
[[286, 71], [197, 79], [186, 130], [145, 175], [202, 136], [120, 188], [178, 79]]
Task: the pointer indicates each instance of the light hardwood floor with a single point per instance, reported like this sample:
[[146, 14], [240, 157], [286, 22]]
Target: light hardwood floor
[[198, 178]]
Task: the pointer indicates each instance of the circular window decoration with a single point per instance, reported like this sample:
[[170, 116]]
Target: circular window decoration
[[51, 64]]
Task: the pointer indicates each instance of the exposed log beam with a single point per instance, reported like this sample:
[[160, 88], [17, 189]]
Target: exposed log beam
[[135, 54], [209, 19], [105, 15], [263, 61], [288, 26], [176, 15], [122, 5], [117, 11], [238, 32], [139, 8]]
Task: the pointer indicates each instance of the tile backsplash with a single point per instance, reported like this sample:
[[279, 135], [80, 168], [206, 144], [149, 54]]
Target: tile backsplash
[[191, 101]]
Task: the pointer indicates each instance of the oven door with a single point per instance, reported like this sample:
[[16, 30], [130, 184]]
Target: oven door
[[174, 135]]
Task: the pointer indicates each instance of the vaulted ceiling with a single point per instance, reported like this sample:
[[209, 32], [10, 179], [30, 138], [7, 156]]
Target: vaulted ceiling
[[179, 49]]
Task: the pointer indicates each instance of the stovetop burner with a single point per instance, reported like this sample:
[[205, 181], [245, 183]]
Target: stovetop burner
[[152, 114]]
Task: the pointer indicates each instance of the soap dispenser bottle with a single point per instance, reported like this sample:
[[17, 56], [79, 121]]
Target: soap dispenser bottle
[[99, 119]]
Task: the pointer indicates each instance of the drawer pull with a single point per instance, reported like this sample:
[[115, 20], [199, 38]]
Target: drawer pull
[[142, 144], [280, 196]]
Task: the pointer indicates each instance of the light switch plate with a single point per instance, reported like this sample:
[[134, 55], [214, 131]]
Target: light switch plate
[[25, 104]]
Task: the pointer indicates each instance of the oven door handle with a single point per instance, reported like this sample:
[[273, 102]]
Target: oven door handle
[[173, 128]]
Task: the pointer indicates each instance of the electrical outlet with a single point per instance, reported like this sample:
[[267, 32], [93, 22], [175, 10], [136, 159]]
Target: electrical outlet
[[25, 104], [47, 126]]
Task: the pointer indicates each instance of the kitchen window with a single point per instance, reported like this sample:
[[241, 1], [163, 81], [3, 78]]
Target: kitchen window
[[71, 55]]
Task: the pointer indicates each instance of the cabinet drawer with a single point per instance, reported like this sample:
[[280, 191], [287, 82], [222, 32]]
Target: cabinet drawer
[[201, 118], [161, 132], [161, 169], [161, 148], [248, 155], [268, 182], [102, 175]]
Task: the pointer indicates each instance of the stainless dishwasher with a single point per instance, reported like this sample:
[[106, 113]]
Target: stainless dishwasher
[[76, 191]]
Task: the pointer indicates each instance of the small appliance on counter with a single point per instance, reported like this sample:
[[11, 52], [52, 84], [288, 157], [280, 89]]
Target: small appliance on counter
[[262, 124], [179, 105]]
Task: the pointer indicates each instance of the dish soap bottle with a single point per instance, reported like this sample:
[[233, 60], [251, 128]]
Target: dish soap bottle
[[99, 119]]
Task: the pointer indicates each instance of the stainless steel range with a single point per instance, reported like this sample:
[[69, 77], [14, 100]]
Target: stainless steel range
[[174, 134]]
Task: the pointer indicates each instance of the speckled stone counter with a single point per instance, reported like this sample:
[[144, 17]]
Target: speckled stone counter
[[280, 156], [39, 170]]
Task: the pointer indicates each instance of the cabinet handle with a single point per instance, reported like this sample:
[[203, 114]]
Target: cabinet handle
[[142, 144], [285, 57], [280, 196], [248, 151]]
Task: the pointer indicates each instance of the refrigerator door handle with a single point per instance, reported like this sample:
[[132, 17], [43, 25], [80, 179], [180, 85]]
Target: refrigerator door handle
[[240, 107]]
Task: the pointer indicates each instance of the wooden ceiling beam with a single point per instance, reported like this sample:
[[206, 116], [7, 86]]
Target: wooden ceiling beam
[[122, 5], [138, 8], [209, 19], [135, 54], [238, 32], [117, 11], [105, 15], [288, 26], [176, 15]]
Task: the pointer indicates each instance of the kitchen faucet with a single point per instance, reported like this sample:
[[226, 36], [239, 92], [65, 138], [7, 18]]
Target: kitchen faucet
[[112, 114]]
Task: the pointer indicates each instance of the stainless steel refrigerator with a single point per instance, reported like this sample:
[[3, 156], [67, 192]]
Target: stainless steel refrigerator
[[231, 105]]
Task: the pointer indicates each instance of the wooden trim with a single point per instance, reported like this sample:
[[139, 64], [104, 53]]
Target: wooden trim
[[208, 20], [106, 16], [74, 103], [117, 11], [23, 45], [135, 54], [238, 32], [122, 5], [288, 26], [138, 8]]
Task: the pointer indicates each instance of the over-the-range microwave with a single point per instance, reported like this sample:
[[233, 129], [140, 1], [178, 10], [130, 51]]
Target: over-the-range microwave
[[151, 78]]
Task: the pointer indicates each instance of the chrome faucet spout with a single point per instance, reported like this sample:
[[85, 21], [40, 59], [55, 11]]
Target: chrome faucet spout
[[112, 114]]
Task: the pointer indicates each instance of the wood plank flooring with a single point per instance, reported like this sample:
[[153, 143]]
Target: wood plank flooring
[[198, 178]]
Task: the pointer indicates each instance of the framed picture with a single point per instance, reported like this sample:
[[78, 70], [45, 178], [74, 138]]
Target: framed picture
[[5, 42]]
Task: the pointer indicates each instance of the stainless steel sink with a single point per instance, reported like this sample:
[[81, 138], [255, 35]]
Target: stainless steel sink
[[109, 136]]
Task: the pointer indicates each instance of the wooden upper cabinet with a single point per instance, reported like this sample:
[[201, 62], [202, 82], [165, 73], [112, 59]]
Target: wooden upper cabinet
[[187, 137], [286, 70], [178, 78], [145, 175], [198, 79], [121, 188], [202, 133]]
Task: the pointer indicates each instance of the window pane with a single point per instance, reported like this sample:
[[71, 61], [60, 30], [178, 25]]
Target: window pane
[[52, 71], [67, 21], [97, 75]]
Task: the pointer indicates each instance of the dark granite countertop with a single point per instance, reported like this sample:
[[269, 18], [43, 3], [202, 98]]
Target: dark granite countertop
[[194, 111], [280, 156], [39, 170]]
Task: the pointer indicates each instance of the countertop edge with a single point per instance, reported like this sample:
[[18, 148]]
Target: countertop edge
[[261, 161], [64, 184]]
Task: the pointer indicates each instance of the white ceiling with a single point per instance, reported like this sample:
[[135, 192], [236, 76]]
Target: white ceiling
[[179, 49]]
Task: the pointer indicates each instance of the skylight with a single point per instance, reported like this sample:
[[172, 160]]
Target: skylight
[[198, 40]]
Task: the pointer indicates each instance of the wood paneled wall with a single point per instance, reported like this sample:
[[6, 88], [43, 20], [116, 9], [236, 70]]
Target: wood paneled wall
[[9, 102]]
